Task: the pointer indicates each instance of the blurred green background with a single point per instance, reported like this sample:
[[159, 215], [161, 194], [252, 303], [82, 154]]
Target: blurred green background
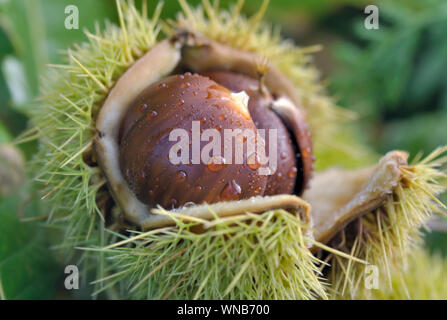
[[394, 77]]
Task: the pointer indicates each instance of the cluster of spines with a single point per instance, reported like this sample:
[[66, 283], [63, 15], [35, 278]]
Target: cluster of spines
[[387, 236]]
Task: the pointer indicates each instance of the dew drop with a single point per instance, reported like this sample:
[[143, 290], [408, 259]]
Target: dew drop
[[306, 152], [162, 86], [189, 204], [180, 103], [253, 161], [283, 155], [231, 191], [279, 177], [216, 163], [198, 188], [152, 114], [186, 85], [292, 172], [180, 176], [213, 91], [143, 107]]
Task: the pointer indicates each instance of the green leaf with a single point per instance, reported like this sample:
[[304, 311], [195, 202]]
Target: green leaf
[[27, 268], [423, 132], [24, 24]]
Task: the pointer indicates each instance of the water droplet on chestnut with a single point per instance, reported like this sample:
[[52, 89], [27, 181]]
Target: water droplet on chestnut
[[292, 172], [231, 191], [181, 176], [253, 162], [216, 163], [162, 85], [143, 107]]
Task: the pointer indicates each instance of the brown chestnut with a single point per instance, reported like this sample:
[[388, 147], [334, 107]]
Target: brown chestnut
[[182, 102], [195, 104]]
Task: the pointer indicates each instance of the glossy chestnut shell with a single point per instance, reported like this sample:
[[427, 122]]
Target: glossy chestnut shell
[[176, 102], [208, 100]]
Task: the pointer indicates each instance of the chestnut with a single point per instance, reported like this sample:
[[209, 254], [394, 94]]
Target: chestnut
[[210, 100]]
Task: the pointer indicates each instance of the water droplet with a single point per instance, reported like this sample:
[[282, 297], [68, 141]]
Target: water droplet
[[231, 191], [180, 76], [214, 91], [292, 172], [279, 177], [180, 176], [216, 163], [198, 188], [253, 161], [283, 155], [174, 202], [180, 103], [306, 152], [152, 114], [143, 107], [186, 85], [162, 85], [223, 117], [189, 204]]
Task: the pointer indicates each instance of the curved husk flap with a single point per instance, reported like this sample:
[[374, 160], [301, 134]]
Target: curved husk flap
[[377, 213], [338, 196]]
